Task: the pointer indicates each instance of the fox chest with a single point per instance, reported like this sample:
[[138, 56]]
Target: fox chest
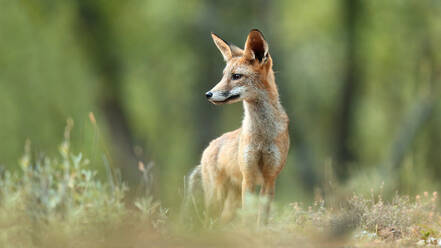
[[260, 155]]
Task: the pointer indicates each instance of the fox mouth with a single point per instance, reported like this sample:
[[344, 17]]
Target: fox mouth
[[230, 98]]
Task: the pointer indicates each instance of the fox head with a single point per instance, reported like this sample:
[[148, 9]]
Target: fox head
[[248, 73]]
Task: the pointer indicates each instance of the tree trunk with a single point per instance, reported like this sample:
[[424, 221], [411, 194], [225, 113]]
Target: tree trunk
[[96, 36], [344, 155]]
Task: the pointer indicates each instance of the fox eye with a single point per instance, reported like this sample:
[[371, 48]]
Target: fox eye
[[236, 76]]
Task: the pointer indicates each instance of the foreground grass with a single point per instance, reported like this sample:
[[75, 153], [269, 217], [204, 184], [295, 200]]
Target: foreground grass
[[60, 203]]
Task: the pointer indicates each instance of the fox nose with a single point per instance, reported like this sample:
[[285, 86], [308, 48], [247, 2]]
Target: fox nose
[[208, 95]]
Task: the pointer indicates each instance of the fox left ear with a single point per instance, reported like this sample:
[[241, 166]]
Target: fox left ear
[[256, 46], [223, 47]]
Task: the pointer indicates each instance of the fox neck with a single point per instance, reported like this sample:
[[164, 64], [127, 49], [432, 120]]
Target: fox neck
[[264, 116]]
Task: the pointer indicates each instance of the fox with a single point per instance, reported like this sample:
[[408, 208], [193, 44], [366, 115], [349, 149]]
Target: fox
[[236, 163]]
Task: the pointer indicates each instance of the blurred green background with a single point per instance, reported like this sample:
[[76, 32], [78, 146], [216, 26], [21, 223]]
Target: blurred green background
[[360, 81]]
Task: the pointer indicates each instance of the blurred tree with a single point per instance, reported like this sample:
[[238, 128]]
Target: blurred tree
[[97, 35], [344, 150]]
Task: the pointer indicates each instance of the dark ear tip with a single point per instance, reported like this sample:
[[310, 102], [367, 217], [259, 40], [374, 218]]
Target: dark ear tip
[[256, 30], [217, 36]]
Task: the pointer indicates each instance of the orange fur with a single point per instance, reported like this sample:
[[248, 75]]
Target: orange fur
[[238, 161]]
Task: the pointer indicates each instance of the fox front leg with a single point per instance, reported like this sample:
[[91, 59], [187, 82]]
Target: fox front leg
[[266, 197]]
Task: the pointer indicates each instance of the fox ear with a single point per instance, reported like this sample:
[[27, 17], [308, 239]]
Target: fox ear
[[223, 47], [256, 46]]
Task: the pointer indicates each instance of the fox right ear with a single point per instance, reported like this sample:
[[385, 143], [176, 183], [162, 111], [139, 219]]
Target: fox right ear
[[223, 47], [256, 46]]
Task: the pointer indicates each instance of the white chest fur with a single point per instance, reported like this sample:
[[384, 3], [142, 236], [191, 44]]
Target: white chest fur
[[262, 124], [263, 121]]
